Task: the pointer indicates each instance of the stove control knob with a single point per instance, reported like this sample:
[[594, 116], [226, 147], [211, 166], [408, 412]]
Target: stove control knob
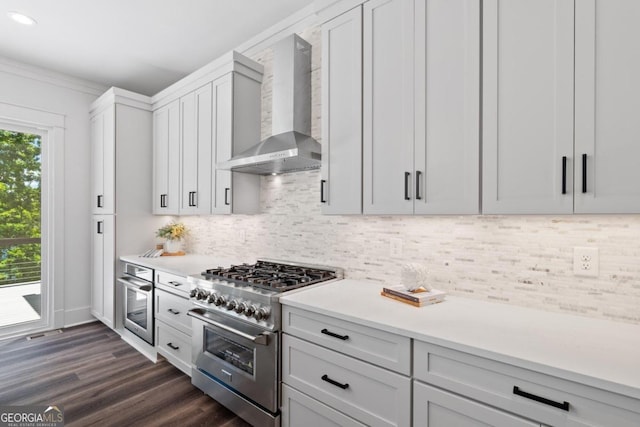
[[242, 307], [193, 293], [202, 295], [219, 300], [250, 310], [232, 304], [212, 298], [261, 313]]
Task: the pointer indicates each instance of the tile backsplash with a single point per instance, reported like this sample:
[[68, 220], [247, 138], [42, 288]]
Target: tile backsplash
[[521, 260]]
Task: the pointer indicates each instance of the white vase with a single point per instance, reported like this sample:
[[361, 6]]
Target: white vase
[[172, 246]]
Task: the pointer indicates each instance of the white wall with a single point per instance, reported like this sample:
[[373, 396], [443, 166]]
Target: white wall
[[521, 260], [28, 87]]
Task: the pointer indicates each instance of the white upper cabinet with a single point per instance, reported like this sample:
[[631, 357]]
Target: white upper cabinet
[[446, 173], [103, 140], [200, 121], [341, 185], [528, 106], [421, 107], [236, 127], [166, 159], [388, 106], [607, 106], [196, 137]]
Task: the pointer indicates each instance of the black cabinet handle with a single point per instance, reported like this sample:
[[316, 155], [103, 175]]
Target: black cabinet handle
[[333, 334], [407, 175], [192, 198], [564, 405], [100, 227], [322, 183], [226, 196], [418, 175], [175, 347], [172, 311], [175, 283], [584, 173], [335, 383], [163, 200], [189, 202], [564, 174], [100, 201]]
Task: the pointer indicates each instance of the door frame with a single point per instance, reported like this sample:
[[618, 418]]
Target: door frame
[[50, 126]]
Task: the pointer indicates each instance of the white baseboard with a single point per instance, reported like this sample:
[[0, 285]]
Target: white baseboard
[[75, 316]]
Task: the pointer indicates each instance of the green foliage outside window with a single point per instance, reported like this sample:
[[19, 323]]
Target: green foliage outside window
[[20, 179]]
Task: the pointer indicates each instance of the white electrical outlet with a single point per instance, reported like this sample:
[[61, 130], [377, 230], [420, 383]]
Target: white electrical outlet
[[395, 247], [585, 261]]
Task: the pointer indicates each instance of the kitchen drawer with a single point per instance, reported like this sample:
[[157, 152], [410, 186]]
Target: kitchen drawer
[[371, 395], [175, 346], [437, 408], [172, 283], [495, 383], [298, 409], [381, 348], [172, 309]]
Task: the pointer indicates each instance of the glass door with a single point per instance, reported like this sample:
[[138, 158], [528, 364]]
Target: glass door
[[22, 300]]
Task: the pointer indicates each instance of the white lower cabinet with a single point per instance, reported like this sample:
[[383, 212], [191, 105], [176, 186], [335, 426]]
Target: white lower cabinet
[[298, 409], [340, 382], [533, 395], [433, 407], [172, 325]]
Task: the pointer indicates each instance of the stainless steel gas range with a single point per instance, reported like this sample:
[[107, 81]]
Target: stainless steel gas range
[[236, 333]]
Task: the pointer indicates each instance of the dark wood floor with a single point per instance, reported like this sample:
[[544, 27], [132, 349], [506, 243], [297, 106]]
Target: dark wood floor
[[100, 380]]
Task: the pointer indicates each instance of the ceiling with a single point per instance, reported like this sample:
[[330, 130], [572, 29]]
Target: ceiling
[[139, 45]]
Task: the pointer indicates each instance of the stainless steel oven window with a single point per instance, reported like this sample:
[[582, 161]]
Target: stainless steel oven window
[[237, 355]]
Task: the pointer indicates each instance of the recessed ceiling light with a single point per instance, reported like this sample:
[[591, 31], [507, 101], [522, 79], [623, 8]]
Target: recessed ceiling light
[[21, 18]]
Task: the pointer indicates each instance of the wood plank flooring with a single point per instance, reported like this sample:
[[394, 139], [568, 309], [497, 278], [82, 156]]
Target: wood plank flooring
[[102, 381]]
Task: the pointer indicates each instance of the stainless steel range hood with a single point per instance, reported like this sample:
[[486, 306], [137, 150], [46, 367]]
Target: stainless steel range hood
[[290, 149]]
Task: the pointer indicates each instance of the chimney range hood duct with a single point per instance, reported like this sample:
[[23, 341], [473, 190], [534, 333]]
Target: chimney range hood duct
[[290, 149]]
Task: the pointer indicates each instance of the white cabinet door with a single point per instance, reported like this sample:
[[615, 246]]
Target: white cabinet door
[[298, 409], [236, 127], [528, 52], [607, 106], [341, 185], [223, 144], [388, 106], [447, 107], [103, 280], [433, 407], [103, 161], [166, 161], [195, 134]]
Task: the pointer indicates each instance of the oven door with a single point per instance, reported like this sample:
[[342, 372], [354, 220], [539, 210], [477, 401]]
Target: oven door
[[138, 307], [241, 356]]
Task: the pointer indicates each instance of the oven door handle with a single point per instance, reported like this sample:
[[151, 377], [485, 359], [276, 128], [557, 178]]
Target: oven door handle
[[262, 339], [135, 284]]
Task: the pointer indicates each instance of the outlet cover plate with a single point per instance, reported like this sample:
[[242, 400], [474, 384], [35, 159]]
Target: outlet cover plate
[[586, 261]]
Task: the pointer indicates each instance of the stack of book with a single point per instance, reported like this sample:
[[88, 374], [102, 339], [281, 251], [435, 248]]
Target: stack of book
[[417, 297]]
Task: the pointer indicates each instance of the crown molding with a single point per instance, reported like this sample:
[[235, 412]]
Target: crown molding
[[20, 69]]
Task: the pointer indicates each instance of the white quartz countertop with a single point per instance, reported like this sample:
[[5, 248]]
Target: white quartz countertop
[[181, 265], [595, 352]]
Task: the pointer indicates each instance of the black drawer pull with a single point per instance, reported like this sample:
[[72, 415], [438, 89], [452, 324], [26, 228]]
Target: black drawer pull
[[163, 200], [407, 175], [172, 311], [175, 347], [100, 201], [226, 196], [418, 175], [564, 174], [333, 334], [322, 183], [584, 173], [564, 405], [175, 283], [335, 383]]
